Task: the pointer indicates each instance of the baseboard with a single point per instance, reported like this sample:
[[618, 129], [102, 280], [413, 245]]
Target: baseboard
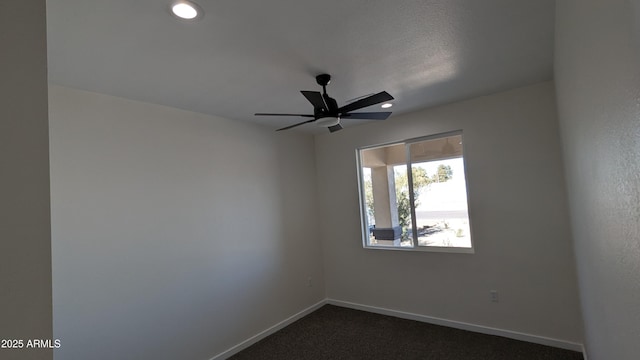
[[584, 353], [562, 344], [254, 339], [464, 326]]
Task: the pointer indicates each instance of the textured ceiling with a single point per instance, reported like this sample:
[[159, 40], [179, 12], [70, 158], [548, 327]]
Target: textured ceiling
[[247, 56]]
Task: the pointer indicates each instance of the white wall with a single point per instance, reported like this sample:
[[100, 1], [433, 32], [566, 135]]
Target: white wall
[[517, 208], [176, 235], [597, 70], [25, 237]]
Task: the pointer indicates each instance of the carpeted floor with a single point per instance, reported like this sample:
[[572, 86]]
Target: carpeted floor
[[334, 332]]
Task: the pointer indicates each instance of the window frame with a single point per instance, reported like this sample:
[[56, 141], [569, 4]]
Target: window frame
[[414, 229]]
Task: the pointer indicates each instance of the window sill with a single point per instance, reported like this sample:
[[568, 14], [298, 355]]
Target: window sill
[[434, 249]]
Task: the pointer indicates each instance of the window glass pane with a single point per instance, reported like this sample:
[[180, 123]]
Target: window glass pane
[[403, 205], [384, 177], [435, 194], [440, 193]]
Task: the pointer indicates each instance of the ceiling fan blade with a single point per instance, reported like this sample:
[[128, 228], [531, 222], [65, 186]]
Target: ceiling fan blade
[[269, 114], [335, 128], [298, 124], [331, 103], [383, 115], [315, 98], [368, 101]]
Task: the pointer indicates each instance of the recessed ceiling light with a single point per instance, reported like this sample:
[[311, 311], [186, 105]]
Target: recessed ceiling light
[[186, 10], [386, 105]]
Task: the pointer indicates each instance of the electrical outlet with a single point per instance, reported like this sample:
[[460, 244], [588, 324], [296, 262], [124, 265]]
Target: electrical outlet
[[493, 295], [309, 282]]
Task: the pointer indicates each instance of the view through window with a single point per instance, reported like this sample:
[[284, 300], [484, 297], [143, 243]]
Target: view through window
[[425, 209]]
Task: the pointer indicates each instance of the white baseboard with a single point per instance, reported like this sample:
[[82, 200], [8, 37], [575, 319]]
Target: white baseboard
[[584, 353], [536, 339], [563, 344], [254, 339]]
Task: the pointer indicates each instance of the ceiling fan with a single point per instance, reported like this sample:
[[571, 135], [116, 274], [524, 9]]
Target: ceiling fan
[[326, 112]]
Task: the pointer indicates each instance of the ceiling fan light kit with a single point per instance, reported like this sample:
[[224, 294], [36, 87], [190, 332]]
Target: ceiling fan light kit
[[328, 121], [326, 112]]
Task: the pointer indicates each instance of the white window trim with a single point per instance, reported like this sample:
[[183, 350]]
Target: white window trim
[[363, 211]]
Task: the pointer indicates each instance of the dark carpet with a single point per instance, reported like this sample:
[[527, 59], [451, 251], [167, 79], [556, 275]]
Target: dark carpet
[[333, 332]]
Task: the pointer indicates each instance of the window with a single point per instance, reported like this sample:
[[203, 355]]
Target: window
[[422, 209]]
